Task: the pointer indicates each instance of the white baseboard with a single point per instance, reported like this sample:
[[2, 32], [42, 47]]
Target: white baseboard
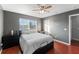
[[61, 42], [75, 39]]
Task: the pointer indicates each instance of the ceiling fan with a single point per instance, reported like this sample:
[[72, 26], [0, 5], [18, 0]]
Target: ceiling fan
[[43, 8]]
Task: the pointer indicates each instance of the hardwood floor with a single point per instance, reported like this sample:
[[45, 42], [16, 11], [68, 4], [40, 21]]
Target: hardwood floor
[[59, 48], [12, 50]]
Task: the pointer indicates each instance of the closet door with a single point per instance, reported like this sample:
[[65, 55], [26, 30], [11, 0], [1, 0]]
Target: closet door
[[75, 27]]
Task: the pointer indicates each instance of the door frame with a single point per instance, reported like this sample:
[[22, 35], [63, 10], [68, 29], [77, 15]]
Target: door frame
[[70, 27]]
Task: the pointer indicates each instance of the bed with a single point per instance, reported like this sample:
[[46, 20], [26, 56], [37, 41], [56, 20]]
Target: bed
[[35, 42]]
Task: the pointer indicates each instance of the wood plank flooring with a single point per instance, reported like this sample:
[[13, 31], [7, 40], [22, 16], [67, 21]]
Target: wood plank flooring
[[59, 48], [12, 50]]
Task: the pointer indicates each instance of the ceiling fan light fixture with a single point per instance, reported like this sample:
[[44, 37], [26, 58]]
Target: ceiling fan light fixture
[[42, 11], [43, 8]]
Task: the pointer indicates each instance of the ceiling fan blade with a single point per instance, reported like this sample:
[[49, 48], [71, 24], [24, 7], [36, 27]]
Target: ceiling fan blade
[[46, 11], [48, 7]]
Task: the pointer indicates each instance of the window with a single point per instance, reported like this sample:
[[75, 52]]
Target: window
[[33, 24], [27, 25]]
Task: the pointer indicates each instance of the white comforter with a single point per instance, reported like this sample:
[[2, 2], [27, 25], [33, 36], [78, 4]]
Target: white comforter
[[29, 43]]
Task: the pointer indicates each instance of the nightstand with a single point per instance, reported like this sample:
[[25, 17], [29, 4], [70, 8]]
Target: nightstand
[[43, 32], [10, 41]]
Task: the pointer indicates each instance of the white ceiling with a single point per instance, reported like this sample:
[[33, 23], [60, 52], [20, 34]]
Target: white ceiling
[[27, 9]]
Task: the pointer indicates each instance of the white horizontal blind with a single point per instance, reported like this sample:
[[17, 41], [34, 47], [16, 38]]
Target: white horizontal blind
[[26, 25]]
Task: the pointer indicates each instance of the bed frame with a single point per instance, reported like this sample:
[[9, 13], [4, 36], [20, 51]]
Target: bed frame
[[42, 50]]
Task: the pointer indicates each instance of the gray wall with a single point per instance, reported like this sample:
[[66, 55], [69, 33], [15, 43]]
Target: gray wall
[[58, 23], [1, 23], [75, 27], [11, 21]]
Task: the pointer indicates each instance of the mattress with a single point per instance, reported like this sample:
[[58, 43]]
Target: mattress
[[30, 42]]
